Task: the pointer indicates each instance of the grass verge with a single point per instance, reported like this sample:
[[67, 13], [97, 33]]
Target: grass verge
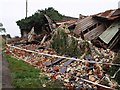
[[26, 76]]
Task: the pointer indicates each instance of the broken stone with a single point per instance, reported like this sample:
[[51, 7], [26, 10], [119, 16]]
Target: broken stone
[[58, 77], [68, 69], [66, 80], [75, 70], [44, 85], [92, 78], [90, 72]]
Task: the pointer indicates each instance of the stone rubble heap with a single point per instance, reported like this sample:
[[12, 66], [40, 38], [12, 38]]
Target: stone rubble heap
[[70, 72]]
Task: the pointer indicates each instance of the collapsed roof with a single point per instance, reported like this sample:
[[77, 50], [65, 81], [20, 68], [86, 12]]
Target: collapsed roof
[[104, 25], [109, 14], [45, 26]]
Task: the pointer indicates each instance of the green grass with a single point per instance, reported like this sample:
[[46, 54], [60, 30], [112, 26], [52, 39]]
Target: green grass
[[26, 76]]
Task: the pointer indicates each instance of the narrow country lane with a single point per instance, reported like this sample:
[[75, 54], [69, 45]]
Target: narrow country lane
[[6, 79]]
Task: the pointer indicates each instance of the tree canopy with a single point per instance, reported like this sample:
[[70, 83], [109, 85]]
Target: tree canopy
[[37, 19]]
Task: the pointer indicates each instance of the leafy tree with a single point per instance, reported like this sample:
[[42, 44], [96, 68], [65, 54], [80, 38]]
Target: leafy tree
[[37, 20]]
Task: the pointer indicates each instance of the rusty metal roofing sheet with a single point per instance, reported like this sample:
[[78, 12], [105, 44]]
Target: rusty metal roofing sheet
[[106, 13], [108, 34], [109, 14]]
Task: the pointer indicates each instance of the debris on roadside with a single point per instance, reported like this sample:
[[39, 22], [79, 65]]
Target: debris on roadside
[[70, 71], [76, 62]]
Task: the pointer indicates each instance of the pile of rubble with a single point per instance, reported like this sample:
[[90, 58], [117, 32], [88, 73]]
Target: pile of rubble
[[80, 65], [88, 72]]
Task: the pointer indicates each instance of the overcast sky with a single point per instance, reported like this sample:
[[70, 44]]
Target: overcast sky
[[13, 10]]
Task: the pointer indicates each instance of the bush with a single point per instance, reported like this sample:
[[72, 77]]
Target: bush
[[113, 69], [65, 45]]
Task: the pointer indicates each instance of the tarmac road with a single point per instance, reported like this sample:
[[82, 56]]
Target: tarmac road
[[5, 79], [5, 76]]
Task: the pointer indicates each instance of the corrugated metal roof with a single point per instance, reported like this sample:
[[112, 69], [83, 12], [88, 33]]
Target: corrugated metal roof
[[108, 34]]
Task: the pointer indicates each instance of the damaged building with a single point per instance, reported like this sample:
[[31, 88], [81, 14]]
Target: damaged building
[[77, 63], [46, 26], [102, 28]]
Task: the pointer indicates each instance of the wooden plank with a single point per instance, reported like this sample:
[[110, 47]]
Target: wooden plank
[[94, 33]]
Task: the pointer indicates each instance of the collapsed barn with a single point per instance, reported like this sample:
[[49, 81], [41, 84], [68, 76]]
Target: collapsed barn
[[102, 28]]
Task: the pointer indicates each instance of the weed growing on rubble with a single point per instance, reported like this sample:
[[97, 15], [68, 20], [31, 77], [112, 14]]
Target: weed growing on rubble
[[26, 76], [113, 69], [65, 45]]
